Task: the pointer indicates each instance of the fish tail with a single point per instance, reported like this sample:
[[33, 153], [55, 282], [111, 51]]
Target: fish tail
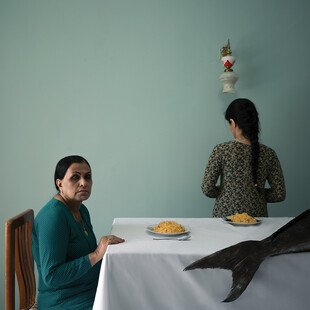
[[242, 274], [237, 258]]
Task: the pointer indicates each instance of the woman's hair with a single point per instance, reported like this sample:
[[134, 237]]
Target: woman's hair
[[245, 115], [64, 164]]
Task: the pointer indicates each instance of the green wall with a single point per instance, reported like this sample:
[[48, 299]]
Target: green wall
[[133, 86]]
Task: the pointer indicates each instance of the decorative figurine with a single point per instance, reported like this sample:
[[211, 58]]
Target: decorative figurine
[[229, 78]]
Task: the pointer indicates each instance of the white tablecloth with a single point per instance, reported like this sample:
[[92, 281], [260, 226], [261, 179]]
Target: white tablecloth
[[147, 274]]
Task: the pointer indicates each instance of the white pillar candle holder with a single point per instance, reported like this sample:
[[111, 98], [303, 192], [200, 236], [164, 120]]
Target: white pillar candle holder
[[229, 80]]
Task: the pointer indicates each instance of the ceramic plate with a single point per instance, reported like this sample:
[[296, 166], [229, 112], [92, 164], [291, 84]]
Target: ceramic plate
[[150, 229], [226, 220]]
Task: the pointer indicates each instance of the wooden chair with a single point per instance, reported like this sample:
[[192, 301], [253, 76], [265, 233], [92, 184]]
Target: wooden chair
[[19, 260]]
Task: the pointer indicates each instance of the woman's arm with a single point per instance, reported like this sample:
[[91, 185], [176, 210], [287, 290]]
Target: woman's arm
[[97, 255], [275, 178], [212, 173]]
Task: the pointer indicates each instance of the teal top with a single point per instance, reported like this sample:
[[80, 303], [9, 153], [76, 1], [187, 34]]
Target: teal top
[[60, 246]]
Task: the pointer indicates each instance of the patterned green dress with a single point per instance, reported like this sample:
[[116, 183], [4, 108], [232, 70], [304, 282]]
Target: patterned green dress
[[230, 164]]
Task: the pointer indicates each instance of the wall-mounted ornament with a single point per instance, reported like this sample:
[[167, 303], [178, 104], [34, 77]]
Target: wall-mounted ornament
[[229, 77]]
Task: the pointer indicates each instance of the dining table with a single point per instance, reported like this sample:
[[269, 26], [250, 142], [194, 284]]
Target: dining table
[[146, 273]]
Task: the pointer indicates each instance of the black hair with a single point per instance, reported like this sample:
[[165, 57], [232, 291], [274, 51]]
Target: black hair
[[63, 165], [245, 115]]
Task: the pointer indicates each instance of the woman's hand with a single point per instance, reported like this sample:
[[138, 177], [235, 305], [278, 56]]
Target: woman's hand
[[97, 255]]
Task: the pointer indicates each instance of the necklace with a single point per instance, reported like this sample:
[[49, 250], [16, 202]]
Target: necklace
[[84, 228], [81, 222]]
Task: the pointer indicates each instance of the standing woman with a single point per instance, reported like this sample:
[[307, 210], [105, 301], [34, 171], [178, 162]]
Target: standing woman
[[243, 167], [64, 245]]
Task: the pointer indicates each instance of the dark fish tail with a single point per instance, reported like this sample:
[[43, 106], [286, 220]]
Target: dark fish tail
[[244, 258], [237, 258], [242, 274]]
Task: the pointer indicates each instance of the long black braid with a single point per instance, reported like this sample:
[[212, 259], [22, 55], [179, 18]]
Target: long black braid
[[245, 115]]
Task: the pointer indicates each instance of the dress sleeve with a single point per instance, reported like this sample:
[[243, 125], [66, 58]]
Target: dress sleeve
[[53, 233], [212, 173], [275, 178]]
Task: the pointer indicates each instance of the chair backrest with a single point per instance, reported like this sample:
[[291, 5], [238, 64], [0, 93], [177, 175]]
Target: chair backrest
[[19, 260]]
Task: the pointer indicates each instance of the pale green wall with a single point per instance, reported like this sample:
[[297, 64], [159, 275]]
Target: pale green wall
[[133, 86]]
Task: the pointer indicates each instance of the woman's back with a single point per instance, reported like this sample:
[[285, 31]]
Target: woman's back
[[237, 192]]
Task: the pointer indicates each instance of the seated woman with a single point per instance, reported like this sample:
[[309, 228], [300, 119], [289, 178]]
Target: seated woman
[[64, 245]]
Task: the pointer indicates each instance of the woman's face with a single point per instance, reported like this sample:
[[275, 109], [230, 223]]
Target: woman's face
[[77, 183]]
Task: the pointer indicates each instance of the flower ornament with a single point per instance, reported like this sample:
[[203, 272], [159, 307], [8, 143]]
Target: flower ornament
[[227, 59]]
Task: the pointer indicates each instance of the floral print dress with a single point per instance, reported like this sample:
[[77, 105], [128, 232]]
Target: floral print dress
[[230, 165]]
